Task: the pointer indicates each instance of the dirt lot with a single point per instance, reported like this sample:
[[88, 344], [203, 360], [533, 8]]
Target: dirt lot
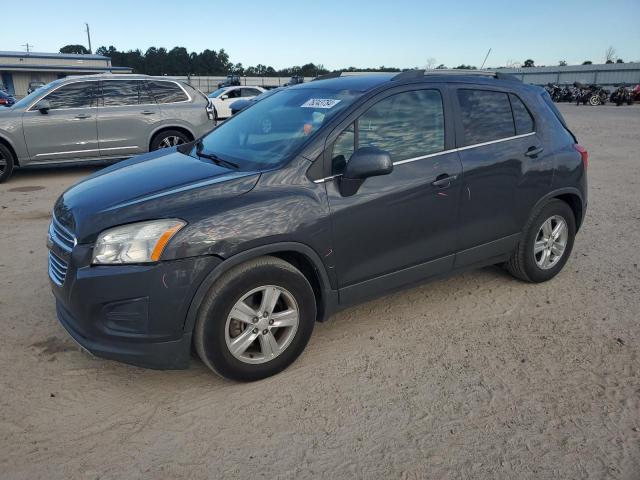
[[477, 376]]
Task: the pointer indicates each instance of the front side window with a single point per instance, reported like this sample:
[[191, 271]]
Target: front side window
[[120, 92], [521, 116], [250, 92], [166, 92], [486, 116], [73, 95], [407, 125], [233, 93]]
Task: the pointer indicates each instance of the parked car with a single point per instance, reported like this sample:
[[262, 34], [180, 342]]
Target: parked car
[[100, 117], [231, 80], [295, 80], [222, 98], [6, 100], [33, 86], [243, 103], [238, 243]]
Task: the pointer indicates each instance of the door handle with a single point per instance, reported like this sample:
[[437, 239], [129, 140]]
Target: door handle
[[83, 115], [147, 112], [444, 180], [534, 151]]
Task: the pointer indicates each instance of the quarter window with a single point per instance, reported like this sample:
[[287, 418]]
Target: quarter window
[[521, 116], [486, 116], [407, 125], [166, 92], [73, 95]]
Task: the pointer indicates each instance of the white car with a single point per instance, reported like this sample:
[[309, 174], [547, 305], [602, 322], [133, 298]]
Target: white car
[[223, 97]]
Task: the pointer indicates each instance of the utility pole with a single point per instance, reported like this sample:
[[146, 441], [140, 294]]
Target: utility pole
[[88, 37], [485, 59], [27, 46]]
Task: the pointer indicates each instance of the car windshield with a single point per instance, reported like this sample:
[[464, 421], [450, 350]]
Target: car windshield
[[265, 135], [26, 101], [216, 93]]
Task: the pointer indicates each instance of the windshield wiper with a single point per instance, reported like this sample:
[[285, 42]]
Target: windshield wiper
[[214, 158]]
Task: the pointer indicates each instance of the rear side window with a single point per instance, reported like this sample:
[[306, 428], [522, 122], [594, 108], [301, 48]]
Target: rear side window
[[117, 93], [72, 95], [521, 116], [486, 116], [166, 92], [250, 92]]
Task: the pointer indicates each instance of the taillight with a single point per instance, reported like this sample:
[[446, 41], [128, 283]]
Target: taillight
[[3, 101], [583, 153]]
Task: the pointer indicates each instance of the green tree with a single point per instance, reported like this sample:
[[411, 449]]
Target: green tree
[[587, 62], [562, 63], [74, 49], [528, 63]]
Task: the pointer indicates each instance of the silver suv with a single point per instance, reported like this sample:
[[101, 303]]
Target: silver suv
[[100, 117]]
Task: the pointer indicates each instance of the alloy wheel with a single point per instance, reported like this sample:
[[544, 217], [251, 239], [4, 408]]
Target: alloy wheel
[[171, 141], [262, 324], [551, 242]]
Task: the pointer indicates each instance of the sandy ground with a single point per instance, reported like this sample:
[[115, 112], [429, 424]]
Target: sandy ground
[[477, 376]]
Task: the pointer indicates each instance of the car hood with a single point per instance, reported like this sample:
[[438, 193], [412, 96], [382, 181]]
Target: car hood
[[161, 184]]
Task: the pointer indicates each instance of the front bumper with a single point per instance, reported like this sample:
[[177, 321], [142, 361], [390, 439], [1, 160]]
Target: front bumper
[[131, 313]]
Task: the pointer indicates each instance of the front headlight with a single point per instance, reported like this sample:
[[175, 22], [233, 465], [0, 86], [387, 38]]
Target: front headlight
[[141, 242]]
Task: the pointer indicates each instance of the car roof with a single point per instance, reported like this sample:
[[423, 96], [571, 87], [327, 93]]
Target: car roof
[[118, 76], [365, 82]]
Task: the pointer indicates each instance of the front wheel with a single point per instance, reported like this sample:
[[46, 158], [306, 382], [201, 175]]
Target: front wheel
[[168, 139], [545, 245], [6, 163], [594, 100], [256, 320]]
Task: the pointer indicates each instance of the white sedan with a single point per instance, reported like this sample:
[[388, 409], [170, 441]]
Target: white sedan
[[223, 97]]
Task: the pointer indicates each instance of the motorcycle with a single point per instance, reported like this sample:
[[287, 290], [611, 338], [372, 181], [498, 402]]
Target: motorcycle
[[592, 94], [554, 91], [635, 94], [621, 95]]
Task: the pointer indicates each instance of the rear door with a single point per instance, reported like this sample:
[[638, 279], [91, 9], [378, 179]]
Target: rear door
[[68, 130], [127, 114], [396, 228], [500, 163]]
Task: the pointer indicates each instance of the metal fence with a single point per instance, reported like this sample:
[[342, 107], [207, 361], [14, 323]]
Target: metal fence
[[606, 75], [209, 84]]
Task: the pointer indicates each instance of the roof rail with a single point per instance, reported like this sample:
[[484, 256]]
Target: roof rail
[[468, 72], [409, 74], [326, 76]]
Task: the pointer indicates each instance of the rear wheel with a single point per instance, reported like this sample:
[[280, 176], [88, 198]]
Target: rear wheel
[[168, 139], [7, 163], [255, 320], [594, 100], [546, 243]]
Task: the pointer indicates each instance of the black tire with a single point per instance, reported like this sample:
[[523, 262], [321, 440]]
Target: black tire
[[209, 331], [165, 136], [7, 162], [522, 263]]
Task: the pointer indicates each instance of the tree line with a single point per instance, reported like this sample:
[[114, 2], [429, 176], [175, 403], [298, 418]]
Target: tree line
[[178, 61]]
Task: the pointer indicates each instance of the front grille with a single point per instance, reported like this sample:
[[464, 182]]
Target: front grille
[[57, 269], [61, 236]]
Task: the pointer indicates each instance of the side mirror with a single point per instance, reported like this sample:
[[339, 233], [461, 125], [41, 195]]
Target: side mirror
[[43, 105], [368, 162], [364, 163], [224, 97]]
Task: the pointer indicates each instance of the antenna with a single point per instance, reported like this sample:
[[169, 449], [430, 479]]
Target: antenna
[[88, 37], [485, 59], [28, 46]]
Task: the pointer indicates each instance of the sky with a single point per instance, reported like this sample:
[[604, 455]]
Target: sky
[[342, 33]]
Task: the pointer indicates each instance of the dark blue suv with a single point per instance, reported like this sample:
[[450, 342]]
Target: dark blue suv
[[323, 195]]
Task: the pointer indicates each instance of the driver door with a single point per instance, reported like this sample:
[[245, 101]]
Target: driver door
[[397, 228], [68, 130]]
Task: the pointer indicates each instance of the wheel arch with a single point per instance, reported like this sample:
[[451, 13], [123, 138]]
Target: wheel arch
[[164, 128], [8, 144], [572, 197], [301, 256]]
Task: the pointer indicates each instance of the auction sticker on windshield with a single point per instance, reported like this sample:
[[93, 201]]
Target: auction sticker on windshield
[[320, 103]]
